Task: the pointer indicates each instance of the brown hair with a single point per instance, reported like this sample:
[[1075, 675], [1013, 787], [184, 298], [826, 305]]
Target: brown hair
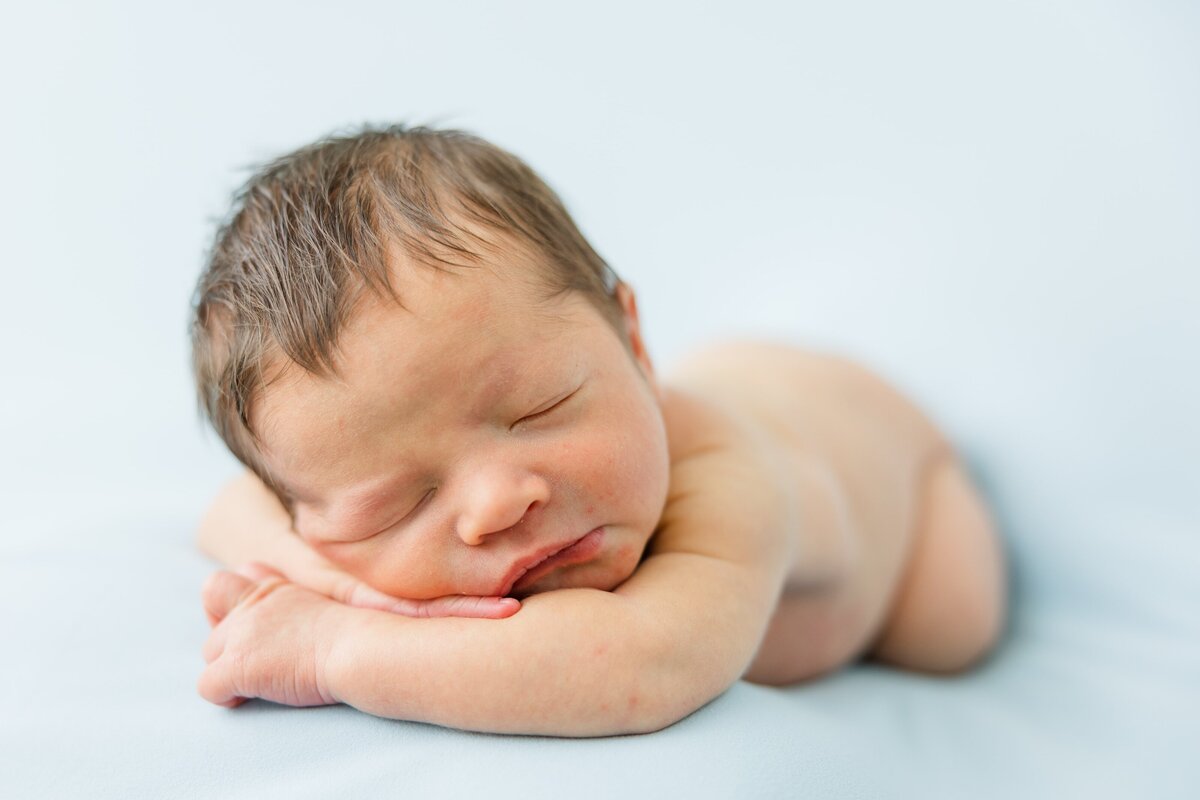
[[310, 230]]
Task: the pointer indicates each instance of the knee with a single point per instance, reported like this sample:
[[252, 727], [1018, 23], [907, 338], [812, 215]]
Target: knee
[[948, 635], [970, 634]]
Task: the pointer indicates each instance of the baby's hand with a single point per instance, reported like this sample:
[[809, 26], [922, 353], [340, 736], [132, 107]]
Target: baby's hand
[[322, 576], [270, 639]]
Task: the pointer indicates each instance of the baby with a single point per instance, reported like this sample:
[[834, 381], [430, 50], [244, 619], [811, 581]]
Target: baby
[[472, 501]]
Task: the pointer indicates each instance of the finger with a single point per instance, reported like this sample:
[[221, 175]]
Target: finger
[[215, 686], [257, 571], [459, 606], [214, 645], [221, 592], [353, 592]]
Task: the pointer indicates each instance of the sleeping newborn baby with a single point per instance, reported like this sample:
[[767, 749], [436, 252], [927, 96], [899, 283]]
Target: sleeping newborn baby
[[471, 500]]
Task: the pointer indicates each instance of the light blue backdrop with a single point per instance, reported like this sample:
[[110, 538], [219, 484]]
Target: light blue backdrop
[[995, 205]]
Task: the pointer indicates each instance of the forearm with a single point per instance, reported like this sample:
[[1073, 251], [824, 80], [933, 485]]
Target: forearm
[[574, 662], [247, 523]]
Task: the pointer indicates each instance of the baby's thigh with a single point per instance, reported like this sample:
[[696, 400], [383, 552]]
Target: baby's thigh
[[935, 605], [878, 445], [949, 607]]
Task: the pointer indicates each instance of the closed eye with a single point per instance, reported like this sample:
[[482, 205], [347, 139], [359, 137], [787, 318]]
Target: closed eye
[[375, 532], [544, 412], [417, 507]]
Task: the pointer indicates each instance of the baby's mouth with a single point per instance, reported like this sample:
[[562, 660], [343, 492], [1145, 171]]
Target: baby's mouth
[[536, 567]]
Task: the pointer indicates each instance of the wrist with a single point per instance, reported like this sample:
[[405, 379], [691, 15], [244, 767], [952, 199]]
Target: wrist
[[346, 628]]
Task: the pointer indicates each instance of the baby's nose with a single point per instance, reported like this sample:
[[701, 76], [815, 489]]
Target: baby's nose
[[496, 508]]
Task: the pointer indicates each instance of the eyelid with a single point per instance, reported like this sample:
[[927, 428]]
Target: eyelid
[[415, 508], [548, 409], [394, 522]]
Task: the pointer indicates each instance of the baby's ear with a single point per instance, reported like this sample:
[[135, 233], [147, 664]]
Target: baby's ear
[[633, 333]]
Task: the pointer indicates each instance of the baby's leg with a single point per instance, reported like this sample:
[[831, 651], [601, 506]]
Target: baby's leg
[[940, 609], [949, 607]]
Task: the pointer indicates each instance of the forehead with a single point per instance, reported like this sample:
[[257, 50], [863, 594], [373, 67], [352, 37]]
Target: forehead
[[473, 322], [462, 342]]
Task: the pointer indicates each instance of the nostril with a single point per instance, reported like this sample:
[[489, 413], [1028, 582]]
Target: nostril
[[528, 508]]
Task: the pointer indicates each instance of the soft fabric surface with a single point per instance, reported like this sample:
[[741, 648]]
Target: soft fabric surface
[[1092, 695], [993, 205]]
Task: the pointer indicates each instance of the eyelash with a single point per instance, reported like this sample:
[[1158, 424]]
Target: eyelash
[[544, 411], [420, 503]]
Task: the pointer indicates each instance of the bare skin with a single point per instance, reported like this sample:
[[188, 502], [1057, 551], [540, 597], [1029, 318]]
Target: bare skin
[[901, 561], [812, 517]]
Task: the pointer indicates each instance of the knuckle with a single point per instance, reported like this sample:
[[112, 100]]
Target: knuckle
[[362, 597], [261, 591], [343, 589], [460, 607], [410, 608]]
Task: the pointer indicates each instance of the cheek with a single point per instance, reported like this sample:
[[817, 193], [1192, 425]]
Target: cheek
[[390, 567], [624, 466]]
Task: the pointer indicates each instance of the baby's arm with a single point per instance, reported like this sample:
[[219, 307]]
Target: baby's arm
[[572, 662], [247, 523]]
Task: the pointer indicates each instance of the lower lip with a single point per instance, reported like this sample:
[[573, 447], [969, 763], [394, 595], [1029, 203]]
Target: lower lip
[[584, 550]]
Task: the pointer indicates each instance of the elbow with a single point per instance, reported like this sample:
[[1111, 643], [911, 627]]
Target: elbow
[[653, 714], [637, 710], [634, 680], [677, 683], [657, 706]]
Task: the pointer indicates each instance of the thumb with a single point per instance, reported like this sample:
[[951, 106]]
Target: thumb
[[222, 592]]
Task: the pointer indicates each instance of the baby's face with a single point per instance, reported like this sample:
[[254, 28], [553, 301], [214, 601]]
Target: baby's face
[[469, 436]]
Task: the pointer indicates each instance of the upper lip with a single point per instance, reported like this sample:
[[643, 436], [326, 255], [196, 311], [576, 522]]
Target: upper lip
[[529, 562]]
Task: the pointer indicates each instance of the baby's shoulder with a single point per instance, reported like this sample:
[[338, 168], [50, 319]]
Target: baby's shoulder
[[715, 452], [725, 477], [697, 427]]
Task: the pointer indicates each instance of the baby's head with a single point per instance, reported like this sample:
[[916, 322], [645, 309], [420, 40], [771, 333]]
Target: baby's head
[[405, 336]]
